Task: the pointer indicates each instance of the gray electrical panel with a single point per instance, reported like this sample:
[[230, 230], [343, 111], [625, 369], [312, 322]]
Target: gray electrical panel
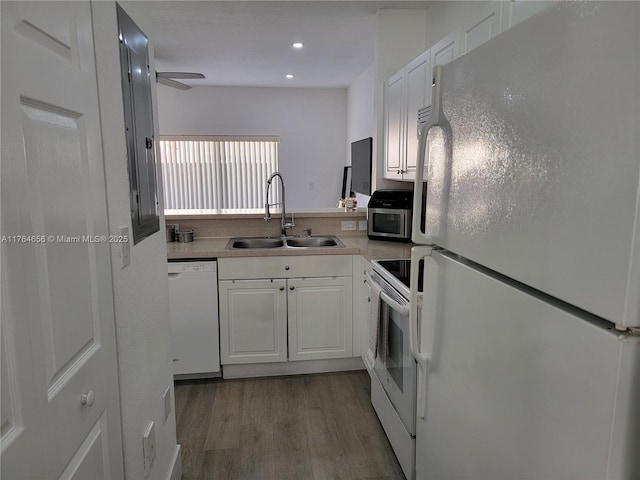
[[138, 115]]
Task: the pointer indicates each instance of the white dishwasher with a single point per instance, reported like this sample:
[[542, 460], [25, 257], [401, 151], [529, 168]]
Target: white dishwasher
[[193, 305]]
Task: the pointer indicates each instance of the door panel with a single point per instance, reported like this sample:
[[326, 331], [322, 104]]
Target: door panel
[[320, 318], [57, 300], [394, 128], [253, 321]]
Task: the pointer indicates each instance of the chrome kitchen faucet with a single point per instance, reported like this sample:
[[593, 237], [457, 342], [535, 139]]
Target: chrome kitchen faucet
[[267, 215]]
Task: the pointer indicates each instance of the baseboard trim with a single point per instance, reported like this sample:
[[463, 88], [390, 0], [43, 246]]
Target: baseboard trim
[[292, 368]]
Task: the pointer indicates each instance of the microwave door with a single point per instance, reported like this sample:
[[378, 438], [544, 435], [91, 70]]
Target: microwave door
[[389, 222]]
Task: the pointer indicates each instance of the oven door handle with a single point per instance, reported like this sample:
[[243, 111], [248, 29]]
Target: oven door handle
[[401, 309]]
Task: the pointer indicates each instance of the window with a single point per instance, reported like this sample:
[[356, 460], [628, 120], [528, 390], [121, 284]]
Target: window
[[212, 172]]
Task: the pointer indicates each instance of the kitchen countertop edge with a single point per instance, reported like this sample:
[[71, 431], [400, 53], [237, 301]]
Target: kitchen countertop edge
[[214, 247]]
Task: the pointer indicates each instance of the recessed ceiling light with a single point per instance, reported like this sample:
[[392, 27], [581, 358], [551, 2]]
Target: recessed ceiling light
[[297, 45], [289, 75]]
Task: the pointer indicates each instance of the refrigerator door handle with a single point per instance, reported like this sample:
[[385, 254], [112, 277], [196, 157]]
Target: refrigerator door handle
[[418, 235], [422, 359]]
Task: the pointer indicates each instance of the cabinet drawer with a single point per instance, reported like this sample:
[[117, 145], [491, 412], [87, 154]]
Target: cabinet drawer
[[284, 267]]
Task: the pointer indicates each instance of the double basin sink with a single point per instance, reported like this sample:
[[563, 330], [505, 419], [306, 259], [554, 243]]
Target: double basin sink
[[251, 243]]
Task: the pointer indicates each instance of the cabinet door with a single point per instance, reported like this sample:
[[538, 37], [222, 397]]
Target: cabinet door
[[516, 11], [253, 321], [393, 127], [418, 94], [320, 318], [445, 50], [482, 28]]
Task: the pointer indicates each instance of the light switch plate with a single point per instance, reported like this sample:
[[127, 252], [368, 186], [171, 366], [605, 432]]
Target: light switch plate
[[362, 225]]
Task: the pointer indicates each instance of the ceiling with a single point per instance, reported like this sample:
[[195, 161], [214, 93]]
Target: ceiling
[[249, 43]]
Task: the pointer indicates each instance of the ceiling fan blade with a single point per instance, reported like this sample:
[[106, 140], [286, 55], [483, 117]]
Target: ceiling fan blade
[[190, 75], [172, 83]]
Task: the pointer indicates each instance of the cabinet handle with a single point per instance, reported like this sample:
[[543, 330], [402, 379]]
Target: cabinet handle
[[286, 267], [281, 289], [292, 288], [369, 299]]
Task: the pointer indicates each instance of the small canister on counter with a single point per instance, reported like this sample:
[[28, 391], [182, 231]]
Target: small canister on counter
[[171, 233], [185, 236]]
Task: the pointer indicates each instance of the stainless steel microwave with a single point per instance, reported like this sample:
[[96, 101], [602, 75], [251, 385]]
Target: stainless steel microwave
[[389, 215]]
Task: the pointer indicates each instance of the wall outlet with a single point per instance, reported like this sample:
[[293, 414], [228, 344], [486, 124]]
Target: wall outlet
[[166, 398], [362, 225], [148, 448], [348, 225]]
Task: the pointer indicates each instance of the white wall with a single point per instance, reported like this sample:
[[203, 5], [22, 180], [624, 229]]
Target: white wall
[[140, 289], [311, 124]]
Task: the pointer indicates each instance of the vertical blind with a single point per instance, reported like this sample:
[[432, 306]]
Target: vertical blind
[[206, 172]]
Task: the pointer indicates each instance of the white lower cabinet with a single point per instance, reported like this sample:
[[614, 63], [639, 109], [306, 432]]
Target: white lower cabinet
[[253, 321], [320, 318], [287, 316]]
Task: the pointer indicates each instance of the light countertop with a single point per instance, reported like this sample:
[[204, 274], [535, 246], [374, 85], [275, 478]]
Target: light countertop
[[214, 247]]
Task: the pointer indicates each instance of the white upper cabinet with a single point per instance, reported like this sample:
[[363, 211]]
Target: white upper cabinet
[[418, 95], [405, 93], [445, 50], [394, 126], [515, 11], [483, 27]]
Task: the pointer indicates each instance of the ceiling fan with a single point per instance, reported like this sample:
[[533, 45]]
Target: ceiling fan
[[167, 78]]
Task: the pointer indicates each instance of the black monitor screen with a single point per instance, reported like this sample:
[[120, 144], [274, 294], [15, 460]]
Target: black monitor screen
[[361, 166]]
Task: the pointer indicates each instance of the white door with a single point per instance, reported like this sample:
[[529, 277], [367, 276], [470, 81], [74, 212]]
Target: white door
[[320, 318], [534, 391], [60, 396], [253, 321]]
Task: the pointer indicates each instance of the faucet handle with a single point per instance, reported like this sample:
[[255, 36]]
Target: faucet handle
[[307, 232]]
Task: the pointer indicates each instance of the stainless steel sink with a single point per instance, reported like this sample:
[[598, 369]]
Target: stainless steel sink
[[310, 242], [255, 243]]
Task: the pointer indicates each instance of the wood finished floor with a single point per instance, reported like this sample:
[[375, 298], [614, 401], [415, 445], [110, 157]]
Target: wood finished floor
[[300, 427]]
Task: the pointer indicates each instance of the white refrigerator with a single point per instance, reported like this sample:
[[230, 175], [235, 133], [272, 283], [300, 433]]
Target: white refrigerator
[[527, 332]]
